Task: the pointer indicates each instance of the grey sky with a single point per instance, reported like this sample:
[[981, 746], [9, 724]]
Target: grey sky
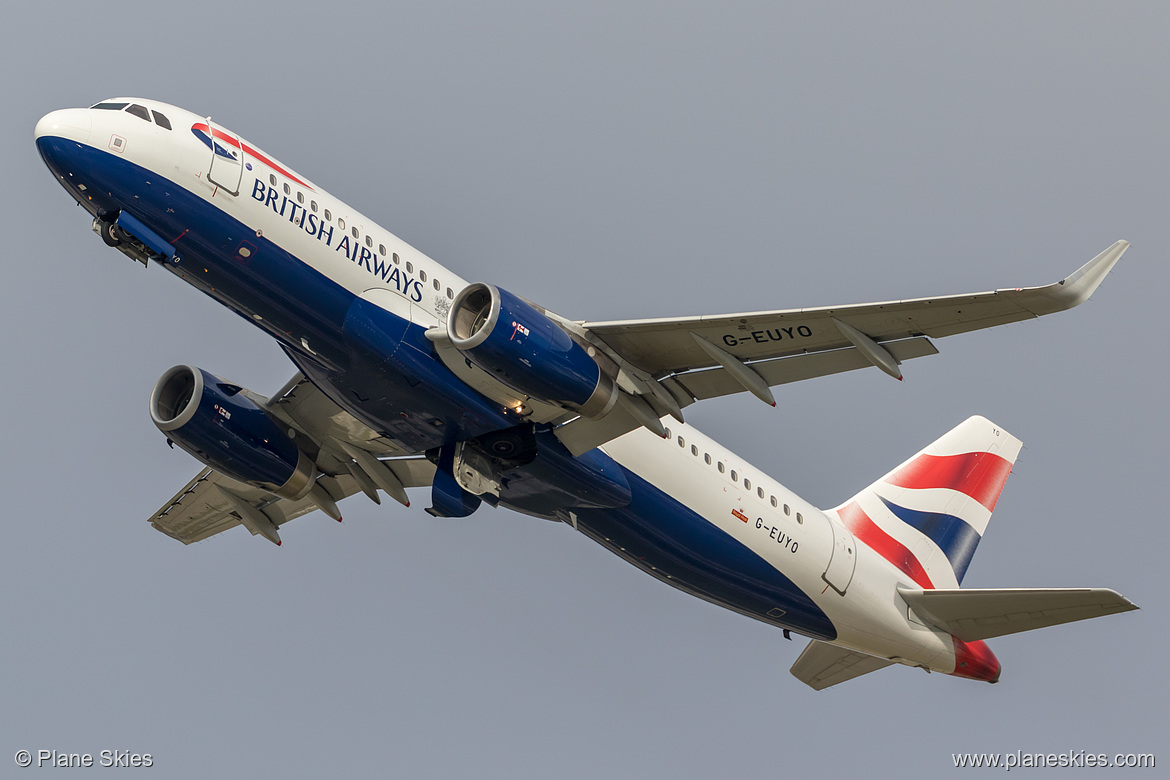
[[620, 160]]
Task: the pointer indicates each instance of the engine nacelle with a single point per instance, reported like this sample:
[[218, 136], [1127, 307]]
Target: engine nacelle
[[220, 426], [526, 350]]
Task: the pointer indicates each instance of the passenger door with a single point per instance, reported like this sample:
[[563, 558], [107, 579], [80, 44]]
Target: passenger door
[[226, 168]]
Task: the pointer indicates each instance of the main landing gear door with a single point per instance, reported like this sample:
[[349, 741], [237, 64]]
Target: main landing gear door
[[226, 168], [839, 572]]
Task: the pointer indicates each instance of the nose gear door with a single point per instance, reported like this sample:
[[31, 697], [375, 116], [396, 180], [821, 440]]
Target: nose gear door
[[226, 168]]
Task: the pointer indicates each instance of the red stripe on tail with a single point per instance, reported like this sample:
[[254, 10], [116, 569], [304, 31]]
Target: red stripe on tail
[[883, 544], [979, 475]]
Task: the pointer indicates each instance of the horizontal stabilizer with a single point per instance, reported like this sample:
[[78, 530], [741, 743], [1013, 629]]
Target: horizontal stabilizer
[[971, 614], [822, 665]]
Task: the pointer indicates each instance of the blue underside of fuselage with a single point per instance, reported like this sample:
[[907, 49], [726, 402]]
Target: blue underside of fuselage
[[672, 542], [409, 395]]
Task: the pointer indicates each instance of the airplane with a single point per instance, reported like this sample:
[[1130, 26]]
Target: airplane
[[408, 376]]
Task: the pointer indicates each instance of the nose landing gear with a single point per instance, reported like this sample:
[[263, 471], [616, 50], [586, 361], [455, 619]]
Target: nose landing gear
[[141, 245], [110, 233]]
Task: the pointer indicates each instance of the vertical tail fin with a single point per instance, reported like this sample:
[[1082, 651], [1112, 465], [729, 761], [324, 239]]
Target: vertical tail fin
[[927, 516]]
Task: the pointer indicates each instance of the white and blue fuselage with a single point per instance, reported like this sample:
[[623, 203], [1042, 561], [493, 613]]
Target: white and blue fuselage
[[350, 304]]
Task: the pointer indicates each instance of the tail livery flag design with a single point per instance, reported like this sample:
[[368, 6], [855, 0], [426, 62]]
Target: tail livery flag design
[[927, 516]]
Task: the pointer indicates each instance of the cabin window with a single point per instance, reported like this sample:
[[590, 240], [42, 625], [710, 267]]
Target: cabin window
[[787, 511], [450, 294], [369, 241], [382, 249], [341, 223], [409, 268], [760, 492], [774, 501], [707, 458], [328, 216], [799, 518], [138, 111], [287, 189], [437, 285], [161, 120], [354, 231], [694, 450], [395, 258], [747, 483], [422, 275], [313, 206], [734, 476], [720, 467], [668, 433], [300, 197], [681, 443], [272, 179]]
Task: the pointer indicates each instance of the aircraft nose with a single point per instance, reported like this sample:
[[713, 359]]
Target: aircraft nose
[[71, 123]]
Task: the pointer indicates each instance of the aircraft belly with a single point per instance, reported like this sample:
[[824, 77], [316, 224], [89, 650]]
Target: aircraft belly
[[673, 543]]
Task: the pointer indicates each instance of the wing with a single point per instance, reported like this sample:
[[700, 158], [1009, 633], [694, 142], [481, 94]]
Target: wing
[[666, 346], [822, 665], [352, 458], [670, 363]]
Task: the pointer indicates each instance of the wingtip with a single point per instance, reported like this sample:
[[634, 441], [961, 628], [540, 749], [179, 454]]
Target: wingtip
[[1076, 288]]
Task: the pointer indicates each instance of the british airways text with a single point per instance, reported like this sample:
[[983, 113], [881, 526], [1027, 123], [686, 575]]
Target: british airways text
[[315, 226]]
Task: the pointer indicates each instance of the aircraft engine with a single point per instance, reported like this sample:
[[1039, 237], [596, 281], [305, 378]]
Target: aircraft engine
[[220, 426], [525, 349]]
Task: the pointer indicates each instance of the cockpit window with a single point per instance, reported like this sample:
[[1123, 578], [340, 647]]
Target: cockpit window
[[111, 106], [139, 111], [161, 120]]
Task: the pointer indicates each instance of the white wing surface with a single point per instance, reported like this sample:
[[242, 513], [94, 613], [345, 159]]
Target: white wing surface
[[666, 346], [667, 364]]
